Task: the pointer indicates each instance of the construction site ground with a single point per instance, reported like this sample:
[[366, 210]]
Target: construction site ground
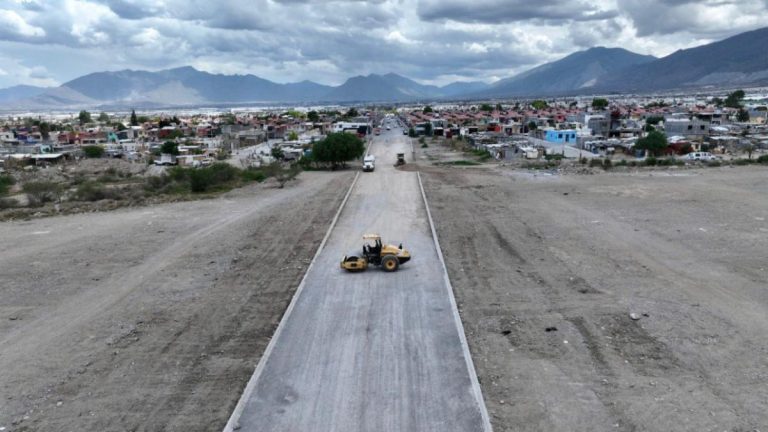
[[151, 318], [547, 269]]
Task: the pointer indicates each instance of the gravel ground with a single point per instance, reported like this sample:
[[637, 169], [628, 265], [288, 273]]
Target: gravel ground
[[547, 270], [151, 318]]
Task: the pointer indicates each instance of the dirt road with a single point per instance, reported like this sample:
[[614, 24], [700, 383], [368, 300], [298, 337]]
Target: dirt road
[[547, 270], [153, 318]]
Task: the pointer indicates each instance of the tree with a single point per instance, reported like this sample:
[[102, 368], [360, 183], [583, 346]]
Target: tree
[[532, 126], [499, 108], [338, 148], [84, 117], [749, 149], [486, 107], [734, 99], [412, 132], [93, 151], [539, 104], [45, 130], [104, 117], [428, 129], [352, 113], [277, 153], [600, 103], [169, 147], [427, 109], [742, 116], [313, 116], [293, 136], [134, 119], [655, 143], [654, 120]]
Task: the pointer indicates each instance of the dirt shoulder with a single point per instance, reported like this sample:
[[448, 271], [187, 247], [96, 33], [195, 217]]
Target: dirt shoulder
[[151, 318], [548, 268]]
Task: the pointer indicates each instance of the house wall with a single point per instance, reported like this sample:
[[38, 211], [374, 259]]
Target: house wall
[[560, 136]]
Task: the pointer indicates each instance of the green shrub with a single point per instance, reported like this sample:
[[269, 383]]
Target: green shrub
[[200, 180], [93, 151], [714, 163], [632, 163], [251, 175], [424, 145], [763, 159], [94, 191], [178, 174], [595, 162], [743, 162], [583, 161], [622, 162], [541, 165], [6, 203], [156, 183], [41, 192], [6, 182], [555, 156], [651, 161], [607, 164]]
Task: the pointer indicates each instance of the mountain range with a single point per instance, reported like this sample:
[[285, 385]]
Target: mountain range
[[737, 61]]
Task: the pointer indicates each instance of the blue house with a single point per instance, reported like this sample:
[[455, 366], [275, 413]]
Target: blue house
[[560, 136]]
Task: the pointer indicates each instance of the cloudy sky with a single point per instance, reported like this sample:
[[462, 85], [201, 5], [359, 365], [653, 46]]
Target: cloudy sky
[[48, 42]]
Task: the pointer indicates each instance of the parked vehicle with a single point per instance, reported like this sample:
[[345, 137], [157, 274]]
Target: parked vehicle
[[166, 159], [699, 156]]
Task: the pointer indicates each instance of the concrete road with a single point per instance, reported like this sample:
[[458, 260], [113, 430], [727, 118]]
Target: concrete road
[[373, 351]]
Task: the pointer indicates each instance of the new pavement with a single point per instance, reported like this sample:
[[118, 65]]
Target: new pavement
[[372, 351]]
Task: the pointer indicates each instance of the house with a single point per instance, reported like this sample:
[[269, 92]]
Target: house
[[560, 136]]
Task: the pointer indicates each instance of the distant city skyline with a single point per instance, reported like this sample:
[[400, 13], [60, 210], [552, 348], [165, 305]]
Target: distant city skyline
[[46, 43]]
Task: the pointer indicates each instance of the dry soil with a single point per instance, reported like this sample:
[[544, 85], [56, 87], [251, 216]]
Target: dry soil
[[151, 319], [547, 270]]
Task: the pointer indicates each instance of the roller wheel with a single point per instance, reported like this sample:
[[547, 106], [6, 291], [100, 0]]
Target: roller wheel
[[389, 263]]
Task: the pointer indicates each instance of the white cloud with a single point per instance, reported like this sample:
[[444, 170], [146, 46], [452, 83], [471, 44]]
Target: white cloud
[[14, 24], [290, 40]]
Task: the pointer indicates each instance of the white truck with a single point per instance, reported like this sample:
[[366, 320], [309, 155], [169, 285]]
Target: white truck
[[369, 163]]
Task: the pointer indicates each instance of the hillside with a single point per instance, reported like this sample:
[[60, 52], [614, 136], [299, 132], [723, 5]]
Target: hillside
[[575, 73], [738, 60]]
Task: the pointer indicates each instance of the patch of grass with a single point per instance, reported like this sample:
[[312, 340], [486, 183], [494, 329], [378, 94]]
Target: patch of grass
[[543, 165], [670, 161], [763, 159], [714, 164], [460, 163], [555, 156], [622, 162], [741, 162], [651, 161]]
